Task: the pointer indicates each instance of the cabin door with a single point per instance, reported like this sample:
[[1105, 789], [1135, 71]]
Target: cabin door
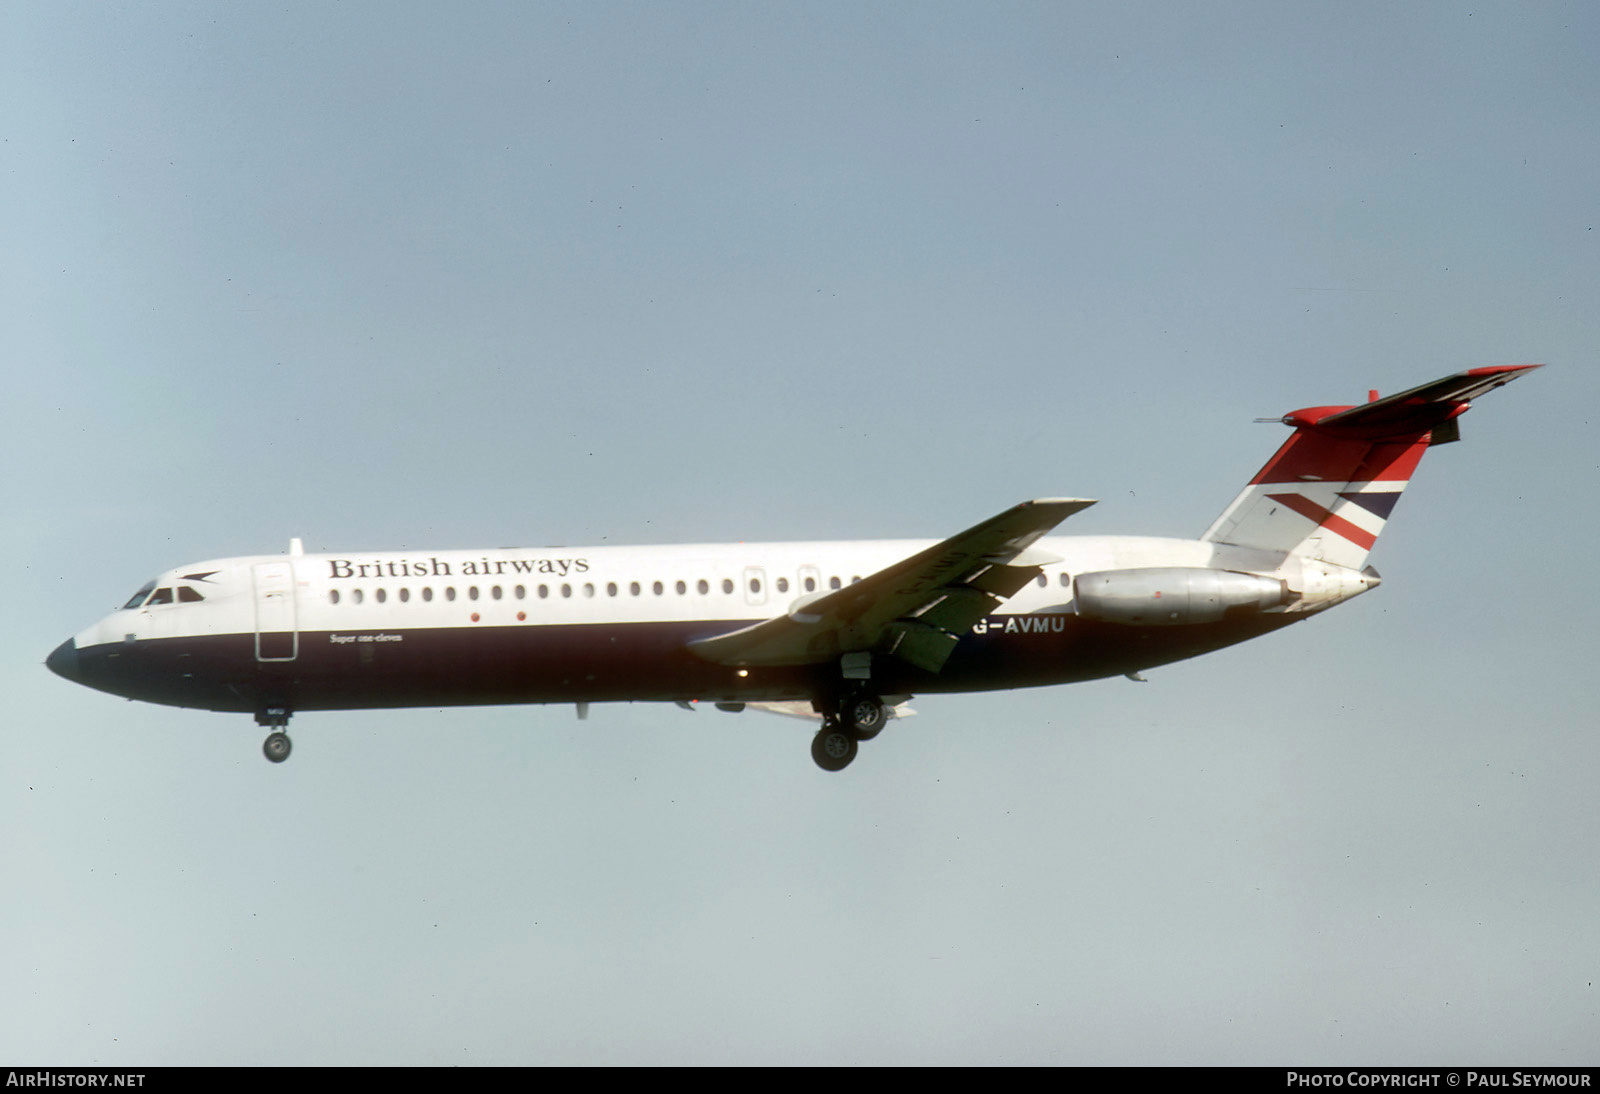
[[277, 627]]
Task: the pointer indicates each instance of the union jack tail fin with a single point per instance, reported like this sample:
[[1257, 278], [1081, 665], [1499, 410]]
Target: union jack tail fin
[[1328, 491]]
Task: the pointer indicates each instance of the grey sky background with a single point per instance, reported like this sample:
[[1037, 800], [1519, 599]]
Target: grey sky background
[[407, 275]]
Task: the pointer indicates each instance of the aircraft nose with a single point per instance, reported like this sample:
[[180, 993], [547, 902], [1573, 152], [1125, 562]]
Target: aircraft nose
[[63, 661]]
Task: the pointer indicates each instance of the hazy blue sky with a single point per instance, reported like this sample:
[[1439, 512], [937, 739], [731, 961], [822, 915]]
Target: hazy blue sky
[[408, 275]]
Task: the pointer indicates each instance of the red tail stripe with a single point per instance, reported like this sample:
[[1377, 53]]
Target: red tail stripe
[[1322, 458], [1323, 518]]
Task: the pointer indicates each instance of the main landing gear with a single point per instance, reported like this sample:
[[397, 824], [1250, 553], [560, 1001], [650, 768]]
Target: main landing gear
[[277, 745], [851, 720]]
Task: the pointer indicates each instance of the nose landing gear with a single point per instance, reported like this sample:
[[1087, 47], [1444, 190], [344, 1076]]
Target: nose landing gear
[[277, 745]]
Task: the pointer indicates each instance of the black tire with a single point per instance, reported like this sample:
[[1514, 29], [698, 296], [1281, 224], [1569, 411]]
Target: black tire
[[277, 747], [865, 716], [833, 747]]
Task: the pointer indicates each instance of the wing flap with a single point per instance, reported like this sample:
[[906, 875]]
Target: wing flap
[[918, 644], [957, 609]]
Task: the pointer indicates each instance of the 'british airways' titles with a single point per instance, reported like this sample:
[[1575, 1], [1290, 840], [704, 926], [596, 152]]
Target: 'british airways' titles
[[433, 567]]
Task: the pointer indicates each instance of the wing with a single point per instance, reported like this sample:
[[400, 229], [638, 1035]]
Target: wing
[[917, 609]]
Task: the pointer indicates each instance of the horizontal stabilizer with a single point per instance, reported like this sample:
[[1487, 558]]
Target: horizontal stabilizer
[[1410, 412]]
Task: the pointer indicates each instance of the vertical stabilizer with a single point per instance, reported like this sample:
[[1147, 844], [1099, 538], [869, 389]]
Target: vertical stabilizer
[[1329, 490]]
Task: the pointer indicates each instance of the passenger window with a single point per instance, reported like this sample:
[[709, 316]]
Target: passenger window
[[783, 584], [138, 598], [472, 592], [588, 589], [1043, 581], [702, 587], [495, 592], [427, 593], [522, 592], [1066, 579], [187, 595], [834, 583], [682, 588], [657, 588], [566, 590], [633, 588], [405, 596], [160, 596], [755, 586], [333, 596], [727, 586], [450, 592], [611, 588], [811, 584], [381, 595], [544, 592], [355, 595]]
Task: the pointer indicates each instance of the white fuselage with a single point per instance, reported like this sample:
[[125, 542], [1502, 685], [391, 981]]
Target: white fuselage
[[680, 583], [400, 628]]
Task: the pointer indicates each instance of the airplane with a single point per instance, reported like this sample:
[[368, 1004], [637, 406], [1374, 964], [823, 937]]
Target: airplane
[[846, 632]]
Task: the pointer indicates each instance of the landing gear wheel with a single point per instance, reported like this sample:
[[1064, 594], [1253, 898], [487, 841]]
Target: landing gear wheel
[[865, 716], [276, 747], [833, 747]]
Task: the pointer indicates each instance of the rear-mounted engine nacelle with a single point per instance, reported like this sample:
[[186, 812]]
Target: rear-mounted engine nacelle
[[1170, 596]]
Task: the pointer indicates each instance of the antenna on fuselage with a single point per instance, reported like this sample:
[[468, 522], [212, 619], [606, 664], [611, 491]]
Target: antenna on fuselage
[[296, 547]]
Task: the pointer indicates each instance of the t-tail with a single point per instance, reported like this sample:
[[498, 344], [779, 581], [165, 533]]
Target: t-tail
[[1327, 493]]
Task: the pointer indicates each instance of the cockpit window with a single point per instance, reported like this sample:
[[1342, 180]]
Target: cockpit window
[[187, 595], [160, 596], [138, 598]]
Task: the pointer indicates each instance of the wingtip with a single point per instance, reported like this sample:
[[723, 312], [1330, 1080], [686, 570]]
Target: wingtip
[[1492, 370]]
